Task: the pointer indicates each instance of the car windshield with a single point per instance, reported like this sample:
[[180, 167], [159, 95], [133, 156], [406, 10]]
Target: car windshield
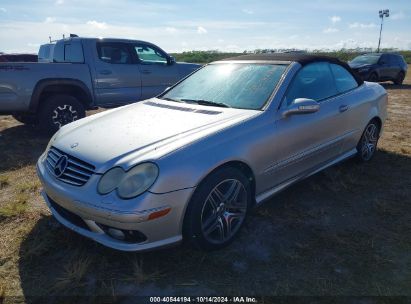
[[235, 85], [366, 59]]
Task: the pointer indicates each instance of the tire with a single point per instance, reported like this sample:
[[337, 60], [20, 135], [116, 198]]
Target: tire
[[222, 200], [373, 77], [400, 78], [28, 119], [59, 110], [367, 145]]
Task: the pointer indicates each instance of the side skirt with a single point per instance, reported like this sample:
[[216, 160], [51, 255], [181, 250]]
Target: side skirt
[[267, 194]]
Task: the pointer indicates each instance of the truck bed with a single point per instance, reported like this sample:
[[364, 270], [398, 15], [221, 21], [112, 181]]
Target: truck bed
[[19, 79]]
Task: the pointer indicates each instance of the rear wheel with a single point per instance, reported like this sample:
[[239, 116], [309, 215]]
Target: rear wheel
[[218, 209], [59, 110], [373, 77], [28, 119], [368, 143], [400, 78]]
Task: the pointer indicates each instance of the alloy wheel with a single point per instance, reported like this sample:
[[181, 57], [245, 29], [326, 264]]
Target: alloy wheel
[[224, 211], [369, 141]]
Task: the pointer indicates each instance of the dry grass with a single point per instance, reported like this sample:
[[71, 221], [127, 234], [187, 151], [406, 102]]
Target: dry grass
[[346, 231], [74, 273], [16, 206]]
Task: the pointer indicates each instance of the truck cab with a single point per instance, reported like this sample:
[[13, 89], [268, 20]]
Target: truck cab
[[85, 73]]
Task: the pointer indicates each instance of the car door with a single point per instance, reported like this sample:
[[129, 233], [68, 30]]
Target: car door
[[386, 68], [157, 70], [303, 143], [396, 64], [117, 79]]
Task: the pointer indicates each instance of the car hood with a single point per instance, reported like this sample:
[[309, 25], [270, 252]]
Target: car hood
[[142, 131], [359, 65]]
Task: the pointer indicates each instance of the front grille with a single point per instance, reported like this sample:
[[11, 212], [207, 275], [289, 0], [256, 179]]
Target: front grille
[[76, 173], [68, 215]]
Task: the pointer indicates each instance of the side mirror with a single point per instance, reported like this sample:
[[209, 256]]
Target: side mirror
[[301, 106], [171, 60]]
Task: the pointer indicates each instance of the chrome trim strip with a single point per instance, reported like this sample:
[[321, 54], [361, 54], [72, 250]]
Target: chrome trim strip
[[305, 154], [267, 194]]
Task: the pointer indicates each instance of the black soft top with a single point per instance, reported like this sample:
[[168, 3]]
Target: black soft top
[[302, 59]]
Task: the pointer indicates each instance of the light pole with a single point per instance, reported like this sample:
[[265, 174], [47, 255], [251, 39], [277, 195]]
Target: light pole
[[382, 13]]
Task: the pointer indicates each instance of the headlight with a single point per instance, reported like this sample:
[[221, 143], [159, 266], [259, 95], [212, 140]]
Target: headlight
[[137, 180], [131, 183], [110, 180]]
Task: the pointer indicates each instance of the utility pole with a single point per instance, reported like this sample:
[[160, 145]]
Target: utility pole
[[382, 14]]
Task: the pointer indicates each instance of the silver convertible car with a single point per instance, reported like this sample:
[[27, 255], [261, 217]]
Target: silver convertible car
[[190, 163]]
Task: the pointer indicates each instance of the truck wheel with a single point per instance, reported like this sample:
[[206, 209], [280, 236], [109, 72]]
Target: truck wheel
[[373, 77], [59, 110], [28, 119]]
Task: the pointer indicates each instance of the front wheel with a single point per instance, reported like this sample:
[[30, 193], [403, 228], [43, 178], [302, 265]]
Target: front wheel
[[368, 143], [373, 77], [59, 110], [217, 210]]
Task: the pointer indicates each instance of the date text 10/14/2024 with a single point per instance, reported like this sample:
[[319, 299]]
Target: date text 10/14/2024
[[239, 299]]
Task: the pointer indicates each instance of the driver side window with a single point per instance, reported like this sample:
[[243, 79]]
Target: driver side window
[[314, 81], [149, 55]]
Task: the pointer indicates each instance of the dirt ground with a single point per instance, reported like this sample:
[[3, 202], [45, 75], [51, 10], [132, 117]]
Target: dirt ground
[[345, 231]]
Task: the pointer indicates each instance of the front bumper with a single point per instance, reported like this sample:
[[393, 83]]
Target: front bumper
[[97, 211], [365, 75]]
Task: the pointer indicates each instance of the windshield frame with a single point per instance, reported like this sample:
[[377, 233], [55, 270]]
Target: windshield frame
[[270, 97]]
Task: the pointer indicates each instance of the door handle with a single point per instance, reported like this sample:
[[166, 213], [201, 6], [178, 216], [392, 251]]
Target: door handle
[[343, 108], [105, 72], [146, 71]]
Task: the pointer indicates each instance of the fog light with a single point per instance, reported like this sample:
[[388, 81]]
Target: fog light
[[115, 233]]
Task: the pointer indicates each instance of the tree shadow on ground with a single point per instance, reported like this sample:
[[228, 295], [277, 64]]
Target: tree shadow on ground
[[20, 146], [345, 231], [391, 86]]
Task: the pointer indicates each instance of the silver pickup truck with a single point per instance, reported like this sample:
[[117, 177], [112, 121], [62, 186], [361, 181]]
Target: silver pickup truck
[[86, 73]]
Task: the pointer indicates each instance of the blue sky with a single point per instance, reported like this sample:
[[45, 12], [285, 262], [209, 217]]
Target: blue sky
[[208, 24]]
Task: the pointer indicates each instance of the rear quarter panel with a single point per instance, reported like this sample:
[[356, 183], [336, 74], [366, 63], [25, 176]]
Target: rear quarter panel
[[365, 103], [18, 81]]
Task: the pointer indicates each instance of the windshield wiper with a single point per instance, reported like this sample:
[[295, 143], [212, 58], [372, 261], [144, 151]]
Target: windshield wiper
[[207, 103]]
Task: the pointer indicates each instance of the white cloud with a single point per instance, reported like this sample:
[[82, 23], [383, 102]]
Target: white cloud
[[335, 19], [330, 30], [201, 30], [2, 9], [171, 30], [96, 24], [398, 16], [59, 2], [220, 25], [50, 20], [362, 25], [33, 45], [247, 11]]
